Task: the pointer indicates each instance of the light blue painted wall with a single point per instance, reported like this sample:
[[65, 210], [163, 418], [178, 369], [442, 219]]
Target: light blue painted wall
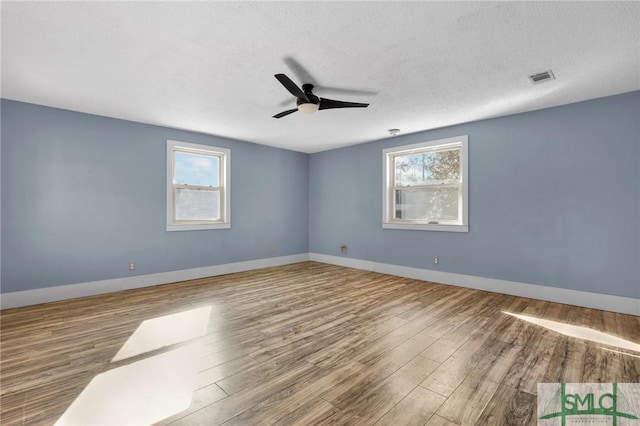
[[83, 195], [554, 200]]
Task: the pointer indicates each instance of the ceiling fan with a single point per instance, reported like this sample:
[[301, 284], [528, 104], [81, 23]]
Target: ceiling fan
[[307, 102]]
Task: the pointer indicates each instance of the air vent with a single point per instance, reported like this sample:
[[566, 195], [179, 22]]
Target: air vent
[[541, 77]]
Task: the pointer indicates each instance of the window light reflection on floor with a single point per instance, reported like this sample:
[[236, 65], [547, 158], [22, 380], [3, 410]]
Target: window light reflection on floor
[[141, 393], [152, 389], [164, 331], [580, 332]]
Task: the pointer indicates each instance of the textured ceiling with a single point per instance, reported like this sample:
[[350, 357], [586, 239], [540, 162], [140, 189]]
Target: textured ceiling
[[209, 66]]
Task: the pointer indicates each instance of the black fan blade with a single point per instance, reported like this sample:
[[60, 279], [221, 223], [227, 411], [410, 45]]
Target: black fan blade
[[291, 86], [287, 112], [330, 103]]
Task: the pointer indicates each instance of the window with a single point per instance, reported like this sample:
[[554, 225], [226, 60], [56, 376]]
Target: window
[[425, 186], [197, 187]]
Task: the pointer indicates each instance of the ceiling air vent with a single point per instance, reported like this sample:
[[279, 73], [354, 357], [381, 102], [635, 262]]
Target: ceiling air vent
[[541, 77]]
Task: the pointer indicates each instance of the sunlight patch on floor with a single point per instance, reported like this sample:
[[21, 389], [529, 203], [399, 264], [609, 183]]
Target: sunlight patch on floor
[[152, 389], [580, 332], [141, 393], [164, 331]]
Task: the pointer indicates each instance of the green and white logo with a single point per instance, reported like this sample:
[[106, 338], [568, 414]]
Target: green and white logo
[[562, 404]]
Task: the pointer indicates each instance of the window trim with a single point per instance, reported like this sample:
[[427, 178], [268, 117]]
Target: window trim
[[388, 177], [225, 186]]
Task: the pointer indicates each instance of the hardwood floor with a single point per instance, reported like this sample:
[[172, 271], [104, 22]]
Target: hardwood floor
[[303, 344]]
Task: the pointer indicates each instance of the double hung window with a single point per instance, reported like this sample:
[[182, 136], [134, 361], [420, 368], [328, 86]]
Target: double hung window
[[197, 187], [425, 186]]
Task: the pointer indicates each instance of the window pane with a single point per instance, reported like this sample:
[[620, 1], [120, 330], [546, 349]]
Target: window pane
[[430, 204], [427, 168], [196, 169], [197, 204]]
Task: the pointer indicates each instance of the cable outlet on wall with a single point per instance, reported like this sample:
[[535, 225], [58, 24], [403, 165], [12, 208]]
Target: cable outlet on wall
[[343, 249], [132, 266], [436, 260]]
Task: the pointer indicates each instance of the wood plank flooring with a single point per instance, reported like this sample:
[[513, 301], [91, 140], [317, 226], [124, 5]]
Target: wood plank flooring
[[312, 343]]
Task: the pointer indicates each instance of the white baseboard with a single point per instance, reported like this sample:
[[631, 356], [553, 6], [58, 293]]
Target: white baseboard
[[626, 305], [606, 302], [72, 291]]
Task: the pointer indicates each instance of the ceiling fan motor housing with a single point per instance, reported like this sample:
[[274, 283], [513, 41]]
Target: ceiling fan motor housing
[[313, 99], [309, 105]]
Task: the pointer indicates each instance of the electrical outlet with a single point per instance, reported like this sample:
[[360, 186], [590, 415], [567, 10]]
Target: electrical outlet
[[343, 249], [132, 266], [274, 248], [436, 260]]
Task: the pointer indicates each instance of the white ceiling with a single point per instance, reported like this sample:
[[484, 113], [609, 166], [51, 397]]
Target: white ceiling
[[209, 66]]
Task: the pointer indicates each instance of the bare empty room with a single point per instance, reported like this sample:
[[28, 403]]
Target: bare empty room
[[314, 213]]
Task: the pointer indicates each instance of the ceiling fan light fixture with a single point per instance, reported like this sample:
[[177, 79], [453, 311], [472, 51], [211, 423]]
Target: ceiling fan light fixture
[[308, 108]]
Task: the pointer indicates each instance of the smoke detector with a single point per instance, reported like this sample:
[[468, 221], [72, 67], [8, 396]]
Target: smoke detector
[[541, 77]]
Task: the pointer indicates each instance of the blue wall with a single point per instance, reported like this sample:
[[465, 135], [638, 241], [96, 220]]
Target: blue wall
[[554, 200], [83, 195]]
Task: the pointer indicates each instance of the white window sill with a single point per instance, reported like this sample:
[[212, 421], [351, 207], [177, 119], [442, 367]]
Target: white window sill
[[198, 226], [426, 227]]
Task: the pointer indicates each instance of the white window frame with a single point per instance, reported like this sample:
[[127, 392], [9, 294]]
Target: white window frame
[[225, 187], [388, 189]]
